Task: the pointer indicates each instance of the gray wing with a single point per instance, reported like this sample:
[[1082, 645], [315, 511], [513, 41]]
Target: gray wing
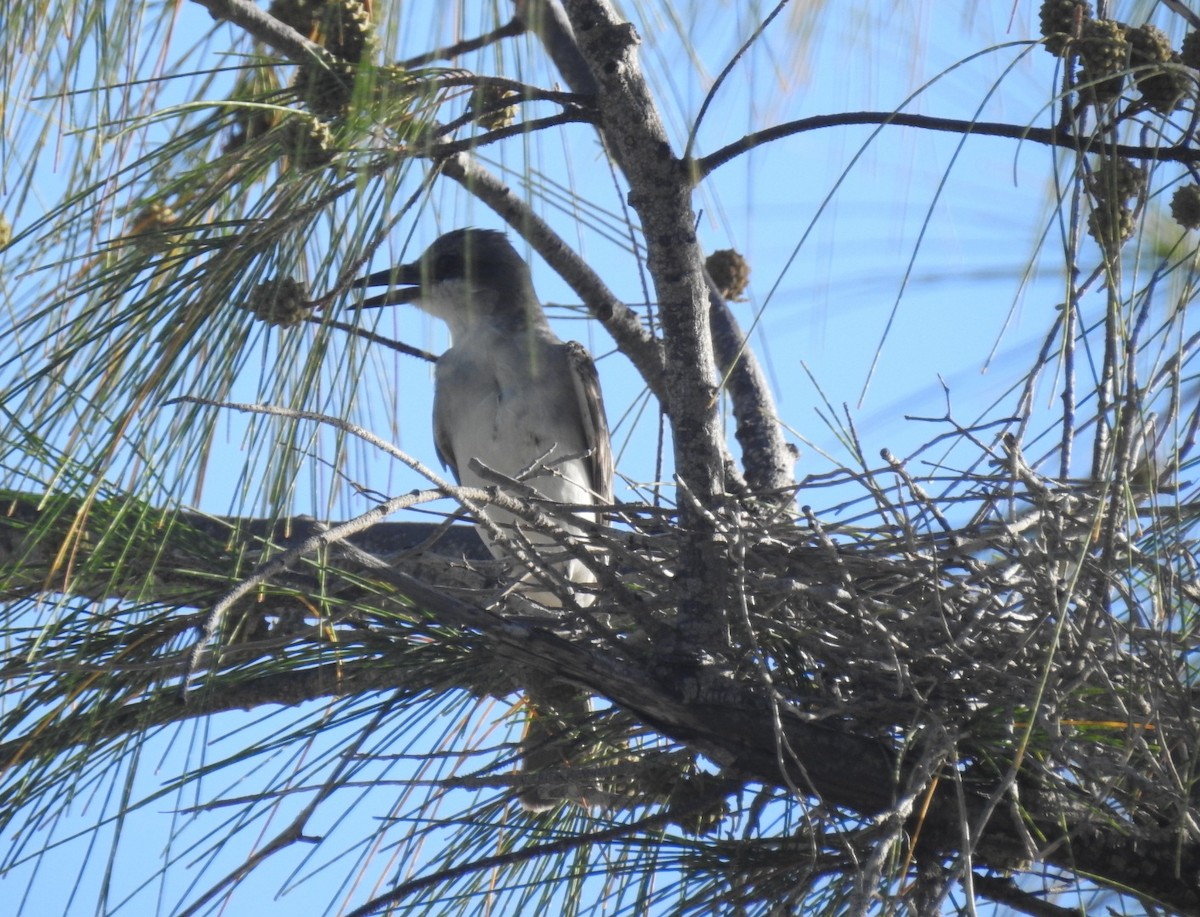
[[595, 423], [441, 435]]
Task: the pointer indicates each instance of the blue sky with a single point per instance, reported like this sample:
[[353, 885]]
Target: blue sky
[[922, 268]]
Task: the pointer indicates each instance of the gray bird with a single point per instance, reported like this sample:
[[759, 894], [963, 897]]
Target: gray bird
[[513, 395]]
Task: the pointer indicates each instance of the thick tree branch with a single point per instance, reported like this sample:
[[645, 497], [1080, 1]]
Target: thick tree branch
[[545, 18], [167, 707], [267, 29], [765, 453], [735, 722], [184, 555], [736, 727], [660, 193]]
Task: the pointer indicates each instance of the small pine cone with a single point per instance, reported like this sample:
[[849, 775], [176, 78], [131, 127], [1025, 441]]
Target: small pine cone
[[151, 227], [485, 100], [1058, 21], [1189, 51], [1117, 180], [1148, 45], [1166, 90], [730, 272], [346, 29], [308, 142], [280, 301], [1185, 206], [1162, 83], [1104, 54], [325, 90], [301, 15], [5, 231], [251, 124], [1111, 225]]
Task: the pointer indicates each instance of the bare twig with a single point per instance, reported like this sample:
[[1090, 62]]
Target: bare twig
[[704, 166], [510, 29]]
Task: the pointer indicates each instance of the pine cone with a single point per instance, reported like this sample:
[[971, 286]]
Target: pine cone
[[346, 29], [280, 301], [730, 272], [1111, 225], [325, 89], [1117, 180], [1058, 20], [1189, 51], [1165, 83], [1104, 55], [308, 142], [1185, 206]]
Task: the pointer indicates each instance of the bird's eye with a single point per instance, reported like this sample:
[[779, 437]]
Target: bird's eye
[[447, 266]]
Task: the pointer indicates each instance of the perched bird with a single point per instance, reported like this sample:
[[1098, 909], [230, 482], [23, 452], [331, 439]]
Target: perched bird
[[513, 395]]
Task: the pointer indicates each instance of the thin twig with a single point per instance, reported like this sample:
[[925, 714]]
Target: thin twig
[[510, 29], [725, 71], [372, 337]]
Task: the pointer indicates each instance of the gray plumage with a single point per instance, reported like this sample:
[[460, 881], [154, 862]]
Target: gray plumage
[[510, 393]]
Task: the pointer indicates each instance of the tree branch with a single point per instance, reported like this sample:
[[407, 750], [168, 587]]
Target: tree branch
[[545, 18], [510, 29], [634, 135], [765, 455], [735, 722], [267, 29], [166, 707], [1006, 891], [767, 458], [706, 165], [521, 128]]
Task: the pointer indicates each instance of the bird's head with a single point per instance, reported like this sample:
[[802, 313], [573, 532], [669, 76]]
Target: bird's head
[[465, 278]]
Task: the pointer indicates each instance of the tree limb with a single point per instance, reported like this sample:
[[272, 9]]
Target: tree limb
[[767, 458], [706, 165], [267, 29], [765, 455], [545, 18], [659, 192], [732, 721]]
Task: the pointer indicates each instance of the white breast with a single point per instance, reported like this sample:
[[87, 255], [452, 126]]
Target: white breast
[[509, 406]]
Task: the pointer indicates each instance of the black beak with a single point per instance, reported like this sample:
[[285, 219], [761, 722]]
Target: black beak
[[403, 282]]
